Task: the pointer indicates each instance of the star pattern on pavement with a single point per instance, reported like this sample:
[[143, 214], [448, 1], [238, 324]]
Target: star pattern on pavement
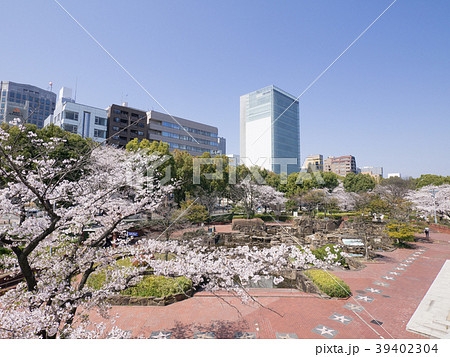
[[325, 331], [160, 335], [204, 335], [372, 290], [399, 268], [404, 265], [409, 261], [365, 298], [245, 335], [341, 318], [393, 273], [388, 277], [380, 283], [286, 336], [354, 307]]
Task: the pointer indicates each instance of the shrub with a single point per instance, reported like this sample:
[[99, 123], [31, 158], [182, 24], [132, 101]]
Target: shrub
[[401, 232], [151, 285], [321, 253], [159, 286], [329, 283]]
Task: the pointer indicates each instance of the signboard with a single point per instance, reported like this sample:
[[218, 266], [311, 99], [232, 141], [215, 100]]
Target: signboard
[[352, 242], [15, 112], [133, 234]]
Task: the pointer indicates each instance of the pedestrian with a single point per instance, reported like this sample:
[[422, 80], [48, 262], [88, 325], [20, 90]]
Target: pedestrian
[[427, 232]]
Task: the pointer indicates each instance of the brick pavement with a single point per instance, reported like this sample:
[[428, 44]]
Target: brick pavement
[[290, 313]]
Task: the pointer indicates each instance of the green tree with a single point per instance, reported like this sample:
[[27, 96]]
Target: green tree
[[401, 232], [358, 183], [72, 146], [193, 212], [331, 180], [435, 180]]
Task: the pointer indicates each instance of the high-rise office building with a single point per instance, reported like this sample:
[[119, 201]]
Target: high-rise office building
[[87, 121], [182, 134], [270, 130], [26, 102], [221, 146]]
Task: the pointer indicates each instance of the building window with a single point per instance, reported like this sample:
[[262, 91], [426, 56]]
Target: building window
[[116, 111], [100, 121], [117, 120], [68, 115], [71, 128], [99, 133], [115, 128], [140, 133], [171, 125], [170, 135]]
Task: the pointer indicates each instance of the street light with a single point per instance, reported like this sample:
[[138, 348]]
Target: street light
[[433, 193]]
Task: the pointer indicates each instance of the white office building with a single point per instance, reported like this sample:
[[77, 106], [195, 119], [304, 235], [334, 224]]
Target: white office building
[[270, 130], [84, 120]]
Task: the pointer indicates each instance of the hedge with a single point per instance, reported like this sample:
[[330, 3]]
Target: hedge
[[329, 283], [264, 217], [159, 286], [150, 285]]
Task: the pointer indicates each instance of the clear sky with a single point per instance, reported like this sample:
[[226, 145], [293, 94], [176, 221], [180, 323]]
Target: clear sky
[[386, 100]]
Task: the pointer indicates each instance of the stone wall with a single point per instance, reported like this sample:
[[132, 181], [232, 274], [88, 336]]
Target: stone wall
[[306, 225], [248, 225], [439, 228]]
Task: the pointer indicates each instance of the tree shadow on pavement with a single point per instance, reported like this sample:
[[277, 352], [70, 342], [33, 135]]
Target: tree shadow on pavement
[[222, 329]]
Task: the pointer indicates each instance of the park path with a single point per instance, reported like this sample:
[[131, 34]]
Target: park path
[[385, 295]]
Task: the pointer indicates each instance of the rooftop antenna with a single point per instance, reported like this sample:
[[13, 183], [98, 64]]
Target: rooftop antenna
[[51, 86], [76, 86]]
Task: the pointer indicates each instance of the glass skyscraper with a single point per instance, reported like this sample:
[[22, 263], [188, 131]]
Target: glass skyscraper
[[25, 102], [270, 130]]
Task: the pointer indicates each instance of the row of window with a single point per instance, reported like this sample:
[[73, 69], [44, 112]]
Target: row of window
[[190, 130], [123, 112], [188, 138], [133, 131], [187, 147], [125, 121]]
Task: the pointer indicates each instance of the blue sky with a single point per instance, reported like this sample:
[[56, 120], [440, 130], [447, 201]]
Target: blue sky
[[386, 101]]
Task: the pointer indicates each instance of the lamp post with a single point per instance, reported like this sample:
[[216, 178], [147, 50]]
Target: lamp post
[[433, 193]]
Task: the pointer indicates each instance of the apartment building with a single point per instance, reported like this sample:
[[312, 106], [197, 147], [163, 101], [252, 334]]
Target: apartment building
[[125, 124], [313, 162], [81, 119], [341, 165]]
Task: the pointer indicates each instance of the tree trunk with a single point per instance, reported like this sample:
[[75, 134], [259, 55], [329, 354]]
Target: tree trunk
[[25, 269]]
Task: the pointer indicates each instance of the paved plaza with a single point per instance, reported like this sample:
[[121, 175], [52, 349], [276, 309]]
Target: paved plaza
[[386, 295]]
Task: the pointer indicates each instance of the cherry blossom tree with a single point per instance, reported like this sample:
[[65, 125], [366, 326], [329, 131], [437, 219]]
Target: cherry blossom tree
[[346, 201], [424, 201], [57, 255], [252, 195]]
